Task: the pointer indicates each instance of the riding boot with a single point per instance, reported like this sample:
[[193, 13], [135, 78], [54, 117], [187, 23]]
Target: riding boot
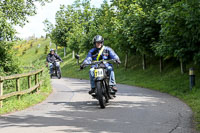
[[92, 91], [114, 88]]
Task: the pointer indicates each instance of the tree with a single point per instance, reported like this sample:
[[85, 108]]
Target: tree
[[72, 25], [179, 33], [13, 12], [120, 27], [166, 29]]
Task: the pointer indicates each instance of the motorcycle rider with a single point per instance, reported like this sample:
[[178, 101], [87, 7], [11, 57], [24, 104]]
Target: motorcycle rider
[[51, 58], [101, 52]]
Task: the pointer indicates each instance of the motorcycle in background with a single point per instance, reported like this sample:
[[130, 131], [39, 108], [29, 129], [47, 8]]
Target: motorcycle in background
[[56, 69]]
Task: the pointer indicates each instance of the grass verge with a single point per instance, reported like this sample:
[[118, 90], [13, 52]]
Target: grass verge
[[12, 104]]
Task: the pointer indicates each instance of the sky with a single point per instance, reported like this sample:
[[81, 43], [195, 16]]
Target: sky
[[36, 26]]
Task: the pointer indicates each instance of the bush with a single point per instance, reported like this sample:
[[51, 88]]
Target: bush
[[36, 50], [9, 63], [46, 50], [24, 51]]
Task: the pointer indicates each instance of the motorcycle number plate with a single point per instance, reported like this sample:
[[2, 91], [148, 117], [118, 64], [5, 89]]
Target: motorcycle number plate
[[98, 73]]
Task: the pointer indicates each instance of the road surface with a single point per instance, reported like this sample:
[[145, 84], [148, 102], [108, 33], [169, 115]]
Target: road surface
[[70, 109]]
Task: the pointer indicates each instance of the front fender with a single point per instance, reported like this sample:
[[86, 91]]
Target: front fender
[[99, 78]]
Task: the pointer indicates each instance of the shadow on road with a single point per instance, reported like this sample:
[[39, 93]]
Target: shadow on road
[[84, 116], [131, 109]]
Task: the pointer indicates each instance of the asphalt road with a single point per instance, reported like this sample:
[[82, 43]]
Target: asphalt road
[[70, 109]]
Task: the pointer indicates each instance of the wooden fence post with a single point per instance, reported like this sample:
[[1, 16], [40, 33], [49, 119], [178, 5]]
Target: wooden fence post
[[36, 81], [29, 82], [41, 73], [1, 92], [18, 87], [18, 93]]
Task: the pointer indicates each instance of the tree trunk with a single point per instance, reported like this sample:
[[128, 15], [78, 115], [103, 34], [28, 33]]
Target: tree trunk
[[73, 55], [64, 51], [183, 66], [126, 61], [144, 61], [77, 60], [50, 44], [56, 49], [161, 64]]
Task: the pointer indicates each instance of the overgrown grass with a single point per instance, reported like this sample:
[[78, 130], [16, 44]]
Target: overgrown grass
[[31, 56], [170, 81]]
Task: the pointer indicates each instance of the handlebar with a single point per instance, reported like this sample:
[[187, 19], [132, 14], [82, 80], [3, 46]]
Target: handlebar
[[102, 61], [55, 61], [58, 61], [99, 62]]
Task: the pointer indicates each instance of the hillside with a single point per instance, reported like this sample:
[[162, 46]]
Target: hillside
[[32, 50], [30, 60]]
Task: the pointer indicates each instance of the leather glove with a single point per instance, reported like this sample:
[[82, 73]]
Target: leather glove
[[81, 66], [118, 61]]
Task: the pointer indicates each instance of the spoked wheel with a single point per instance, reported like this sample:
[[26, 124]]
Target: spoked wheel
[[59, 74], [100, 95], [108, 91]]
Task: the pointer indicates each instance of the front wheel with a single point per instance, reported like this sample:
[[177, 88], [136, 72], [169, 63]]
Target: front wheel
[[58, 73], [100, 95]]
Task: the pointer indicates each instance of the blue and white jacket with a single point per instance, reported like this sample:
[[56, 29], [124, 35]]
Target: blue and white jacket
[[107, 54]]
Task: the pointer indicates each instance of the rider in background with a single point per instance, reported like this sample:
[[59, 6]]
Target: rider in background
[[101, 52], [51, 58]]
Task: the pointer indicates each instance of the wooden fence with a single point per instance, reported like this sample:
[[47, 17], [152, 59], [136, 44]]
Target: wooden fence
[[17, 77]]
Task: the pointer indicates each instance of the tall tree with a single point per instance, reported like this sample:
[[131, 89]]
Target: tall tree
[[179, 33], [13, 12]]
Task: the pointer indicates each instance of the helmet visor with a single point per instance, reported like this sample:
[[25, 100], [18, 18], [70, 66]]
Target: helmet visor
[[99, 41]]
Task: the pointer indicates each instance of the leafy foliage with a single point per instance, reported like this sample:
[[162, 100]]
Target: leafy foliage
[[8, 61], [12, 13], [157, 28]]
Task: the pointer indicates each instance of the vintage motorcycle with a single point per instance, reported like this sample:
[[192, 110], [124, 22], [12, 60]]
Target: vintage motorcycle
[[56, 70], [103, 92]]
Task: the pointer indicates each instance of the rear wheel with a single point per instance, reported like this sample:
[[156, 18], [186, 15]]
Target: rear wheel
[[100, 95]]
